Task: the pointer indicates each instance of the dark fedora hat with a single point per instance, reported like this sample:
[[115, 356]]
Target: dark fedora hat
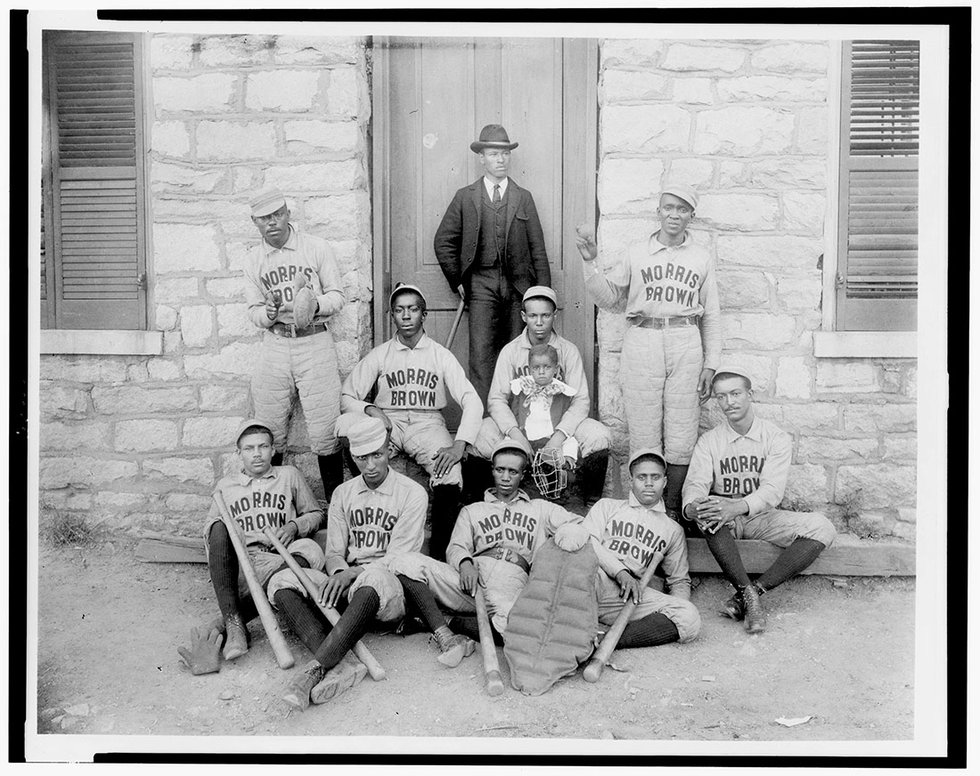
[[492, 136]]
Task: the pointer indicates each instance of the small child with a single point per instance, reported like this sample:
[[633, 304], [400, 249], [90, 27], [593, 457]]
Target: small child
[[545, 399]]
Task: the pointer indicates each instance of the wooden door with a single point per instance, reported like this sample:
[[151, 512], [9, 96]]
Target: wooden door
[[431, 98]]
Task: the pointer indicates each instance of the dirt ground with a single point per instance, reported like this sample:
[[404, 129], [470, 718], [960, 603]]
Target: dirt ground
[[838, 651]]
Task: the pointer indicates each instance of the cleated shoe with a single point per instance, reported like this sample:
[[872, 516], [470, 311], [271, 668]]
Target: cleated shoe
[[454, 649], [298, 692], [236, 637], [339, 679], [755, 618], [734, 607]]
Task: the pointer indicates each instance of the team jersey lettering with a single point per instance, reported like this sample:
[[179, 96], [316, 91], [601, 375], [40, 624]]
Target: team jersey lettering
[[371, 527], [511, 528], [524, 369], [283, 276], [658, 290], [632, 540], [246, 512], [424, 395], [740, 474]]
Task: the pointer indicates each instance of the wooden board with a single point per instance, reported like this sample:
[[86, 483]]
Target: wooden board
[[165, 548]]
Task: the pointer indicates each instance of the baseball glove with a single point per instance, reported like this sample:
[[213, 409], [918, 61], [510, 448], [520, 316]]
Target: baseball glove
[[549, 473], [304, 303]]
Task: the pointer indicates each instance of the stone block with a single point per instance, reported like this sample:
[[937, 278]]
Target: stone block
[[650, 129], [84, 369], [282, 90], [236, 253], [133, 400], [233, 360], [694, 172], [743, 289], [196, 325], [812, 129], [136, 373], [344, 93], [62, 401], [171, 52], [63, 499], [224, 398], [875, 486], [615, 235], [741, 212], [903, 447], [875, 418], [120, 502], [629, 185], [684, 56], [145, 435], [811, 417], [630, 52], [768, 88], [171, 341], [188, 502], [167, 290], [793, 378], [57, 436], [212, 431], [631, 86], [208, 93], [83, 471], [170, 138], [904, 531], [233, 141], [175, 178], [846, 375], [911, 384], [792, 57], [343, 216], [188, 470], [163, 369], [807, 483], [226, 288], [803, 211], [229, 464], [309, 135], [759, 370], [693, 91], [757, 331], [744, 131], [830, 449], [905, 514], [610, 329], [185, 248], [166, 318], [348, 254], [233, 321], [890, 378], [348, 354], [236, 50], [784, 173], [799, 291], [769, 251], [319, 50], [320, 177]]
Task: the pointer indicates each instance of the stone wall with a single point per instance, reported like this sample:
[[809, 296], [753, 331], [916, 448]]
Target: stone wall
[[746, 123], [141, 441]]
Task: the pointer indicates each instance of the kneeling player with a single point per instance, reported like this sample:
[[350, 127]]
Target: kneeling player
[[371, 517], [493, 545]]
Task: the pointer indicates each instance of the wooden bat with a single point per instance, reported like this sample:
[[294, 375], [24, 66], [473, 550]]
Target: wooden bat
[[456, 320], [593, 670], [363, 653], [268, 617], [487, 648]]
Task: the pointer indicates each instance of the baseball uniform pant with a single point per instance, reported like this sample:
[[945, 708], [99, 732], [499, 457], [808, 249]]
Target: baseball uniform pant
[[306, 366], [502, 581], [591, 435], [682, 613], [782, 528], [376, 575], [659, 372], [495, 319]]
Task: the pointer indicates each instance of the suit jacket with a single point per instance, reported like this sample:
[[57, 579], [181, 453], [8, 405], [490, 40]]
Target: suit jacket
[[525, 260]]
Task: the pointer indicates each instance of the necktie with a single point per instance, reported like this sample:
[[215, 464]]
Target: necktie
[[496, 192]]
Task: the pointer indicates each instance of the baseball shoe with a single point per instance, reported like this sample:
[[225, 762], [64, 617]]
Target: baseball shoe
[[236, 638], [454, 649], [755, 618], [734, 607], [298, 692], [339, 679]]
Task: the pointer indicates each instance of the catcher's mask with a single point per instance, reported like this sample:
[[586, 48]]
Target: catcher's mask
[[549, 473]]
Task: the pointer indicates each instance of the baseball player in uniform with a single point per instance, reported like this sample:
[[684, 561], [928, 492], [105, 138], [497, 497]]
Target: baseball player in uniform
[[627, 536], [258, 496], [493, 545], [293, 277], [666, 284], [372, 517], [736, 481], [539, 307], [412, 375]]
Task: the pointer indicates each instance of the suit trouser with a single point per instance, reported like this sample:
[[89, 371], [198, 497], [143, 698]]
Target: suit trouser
[[495, 319]]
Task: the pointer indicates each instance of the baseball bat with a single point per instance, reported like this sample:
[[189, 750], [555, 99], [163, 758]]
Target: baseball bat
[[593, 670], [456, 320], [487, 648], [283, 656], [363, 653]]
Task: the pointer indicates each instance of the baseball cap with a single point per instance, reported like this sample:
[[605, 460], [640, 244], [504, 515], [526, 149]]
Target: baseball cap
[[510, 444], [265, 201], [367, 435], [731, 369], [402, 288], [682, 190], [541, 291], [247, 424], [644, 452]]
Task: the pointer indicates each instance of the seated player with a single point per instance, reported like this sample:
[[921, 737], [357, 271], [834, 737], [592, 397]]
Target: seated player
[[493, 545], [736, 480], [376, 515], [541, 400], [413, 375], [627, 536], [259, 495]]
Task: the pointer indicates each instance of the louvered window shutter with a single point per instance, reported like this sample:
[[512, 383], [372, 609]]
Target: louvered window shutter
[[877, 280], [95, 279]]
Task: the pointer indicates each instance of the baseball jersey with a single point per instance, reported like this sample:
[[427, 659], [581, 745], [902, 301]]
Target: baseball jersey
[[512, 363], [659, 281], [414, 379], [521, 525], [363, 525], [268, 268], [752, 467], [273, 500], [628, 535]]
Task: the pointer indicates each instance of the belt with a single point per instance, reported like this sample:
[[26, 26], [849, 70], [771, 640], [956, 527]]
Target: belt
[[290, 331], [663, 323], [502, 553]]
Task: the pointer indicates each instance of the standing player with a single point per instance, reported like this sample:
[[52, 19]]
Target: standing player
[[737, 478], [493, 544], [293, 288], [673, 342], [412, 375], [490, 246], [372, 517]]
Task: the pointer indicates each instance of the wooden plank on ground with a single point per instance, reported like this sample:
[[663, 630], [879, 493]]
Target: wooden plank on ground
[[165, 548]]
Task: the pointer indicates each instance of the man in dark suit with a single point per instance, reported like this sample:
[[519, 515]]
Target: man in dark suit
[[491, 249]]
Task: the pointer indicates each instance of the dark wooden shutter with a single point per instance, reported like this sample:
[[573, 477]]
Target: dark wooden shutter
[[879, 193], [94, 99]]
